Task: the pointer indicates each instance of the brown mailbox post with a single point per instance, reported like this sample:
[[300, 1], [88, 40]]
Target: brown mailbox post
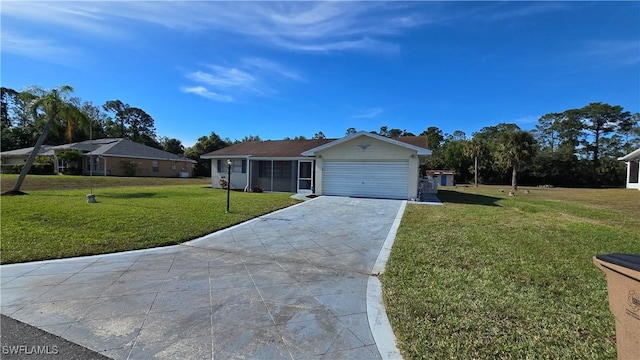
[[623, 279]]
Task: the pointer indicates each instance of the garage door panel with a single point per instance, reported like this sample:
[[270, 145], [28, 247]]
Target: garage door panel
[[366, 179]]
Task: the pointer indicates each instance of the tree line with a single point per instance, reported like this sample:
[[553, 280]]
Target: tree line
[[575, 147]]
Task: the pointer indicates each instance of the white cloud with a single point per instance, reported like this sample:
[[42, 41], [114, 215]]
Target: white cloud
[[224, 77], [85, 16], [272, 67], [37, 48], [202, 91], [300, 26], [620, 52], [514, 9], [367, 113], [252, 75]]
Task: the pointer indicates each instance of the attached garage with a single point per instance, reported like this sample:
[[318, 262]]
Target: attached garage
[[368, 165], [384, 179], [359, 165]]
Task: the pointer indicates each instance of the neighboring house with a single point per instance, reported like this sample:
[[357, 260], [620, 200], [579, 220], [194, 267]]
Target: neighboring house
[[442, 177], [633, 169], [19, 156], [116, 157], [359, 165]]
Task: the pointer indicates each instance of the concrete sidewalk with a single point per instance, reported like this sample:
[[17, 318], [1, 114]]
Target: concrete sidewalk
[[291, 284]]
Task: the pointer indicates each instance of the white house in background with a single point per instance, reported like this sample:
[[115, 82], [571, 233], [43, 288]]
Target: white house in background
[[633, 169], [359, 165]]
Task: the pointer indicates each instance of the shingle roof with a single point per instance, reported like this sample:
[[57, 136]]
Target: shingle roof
[[44, 150], [270, 148], [290, 148], [107, 147], [420, 141]]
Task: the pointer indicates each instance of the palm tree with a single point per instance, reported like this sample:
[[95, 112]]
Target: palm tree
[[475, 148], [54, 104], [515, 149]]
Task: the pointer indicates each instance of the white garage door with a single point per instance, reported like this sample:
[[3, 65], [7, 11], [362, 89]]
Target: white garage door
[[389, 180]]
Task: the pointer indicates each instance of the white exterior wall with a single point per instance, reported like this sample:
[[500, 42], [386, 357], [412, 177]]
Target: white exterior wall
[[238, 178], [376, 151]]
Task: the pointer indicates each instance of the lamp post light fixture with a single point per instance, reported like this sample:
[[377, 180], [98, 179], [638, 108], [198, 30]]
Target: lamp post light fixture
[[228, 182]]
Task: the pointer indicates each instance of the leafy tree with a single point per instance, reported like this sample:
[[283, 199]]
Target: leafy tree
[[319, 135], [7, 98], [516, 148], [141, 126], [459, 135], [434, 137], [97, 120], [455, 158], [204, 145], [172, 145], [53, 104], [350, 131], [299, 137], [384, 131], [251, 138], [599, 120], [546, 131], [130, 123], [630, 129], [118, 108]]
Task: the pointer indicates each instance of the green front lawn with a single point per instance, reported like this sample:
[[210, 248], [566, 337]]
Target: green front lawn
[[131, 213], [488, 276]]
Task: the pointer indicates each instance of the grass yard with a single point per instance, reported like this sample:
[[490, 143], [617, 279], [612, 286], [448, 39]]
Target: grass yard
[[488, 276], [55, 221]]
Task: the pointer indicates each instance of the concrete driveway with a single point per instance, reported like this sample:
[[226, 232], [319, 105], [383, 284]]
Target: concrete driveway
[[291, 284]]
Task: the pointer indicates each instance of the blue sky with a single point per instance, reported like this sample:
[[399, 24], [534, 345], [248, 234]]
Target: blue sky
[[278, 69]]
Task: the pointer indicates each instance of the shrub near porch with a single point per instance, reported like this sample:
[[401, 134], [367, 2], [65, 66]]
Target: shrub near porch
[[489, 276], [48, 224]]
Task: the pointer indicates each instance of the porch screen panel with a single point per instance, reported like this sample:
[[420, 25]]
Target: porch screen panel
[[284, 176], [633, 172], [261, 175]]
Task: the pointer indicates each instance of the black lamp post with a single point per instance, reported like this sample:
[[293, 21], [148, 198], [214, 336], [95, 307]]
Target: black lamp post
[[228, 182]]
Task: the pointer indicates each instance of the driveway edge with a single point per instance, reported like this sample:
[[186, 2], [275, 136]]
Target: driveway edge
[[378, 321], [152, 249]]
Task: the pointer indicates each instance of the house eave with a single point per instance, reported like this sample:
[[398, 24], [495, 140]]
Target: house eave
[[138, 157], [634, 155], [225, 156]]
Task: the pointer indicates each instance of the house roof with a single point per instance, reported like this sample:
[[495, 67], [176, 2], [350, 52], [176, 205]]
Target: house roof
[[269, 148], [117, 147], [409, 142], [440, 172], [45, 150], [297, 148], [634, 155]]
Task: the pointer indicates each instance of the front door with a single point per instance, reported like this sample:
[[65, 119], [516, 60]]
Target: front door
[[305, 176]]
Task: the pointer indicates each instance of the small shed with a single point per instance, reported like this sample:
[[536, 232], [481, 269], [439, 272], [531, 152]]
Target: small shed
[[442, 177]]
